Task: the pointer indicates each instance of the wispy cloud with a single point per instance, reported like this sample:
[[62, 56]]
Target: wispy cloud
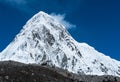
[[18, 4], [61, 18]]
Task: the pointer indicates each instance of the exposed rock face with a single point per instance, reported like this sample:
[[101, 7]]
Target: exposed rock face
[[18, 72], [44, 41]]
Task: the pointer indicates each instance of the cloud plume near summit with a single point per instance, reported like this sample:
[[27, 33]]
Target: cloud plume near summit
[[61, 19]]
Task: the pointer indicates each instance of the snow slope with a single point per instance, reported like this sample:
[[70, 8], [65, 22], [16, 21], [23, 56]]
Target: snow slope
[[43, 40]]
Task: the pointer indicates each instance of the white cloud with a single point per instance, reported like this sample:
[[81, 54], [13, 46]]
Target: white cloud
[[61, 18]]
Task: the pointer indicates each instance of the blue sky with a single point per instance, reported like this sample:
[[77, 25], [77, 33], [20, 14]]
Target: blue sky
[[97, 21]]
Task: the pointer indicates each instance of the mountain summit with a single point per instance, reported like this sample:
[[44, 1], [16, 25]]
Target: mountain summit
[[43, 40]]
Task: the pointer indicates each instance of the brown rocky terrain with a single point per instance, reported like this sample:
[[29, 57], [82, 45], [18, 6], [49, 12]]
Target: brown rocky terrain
[[17, 72]]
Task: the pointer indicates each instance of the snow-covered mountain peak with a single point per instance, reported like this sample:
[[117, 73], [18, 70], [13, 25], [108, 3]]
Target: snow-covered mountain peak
[[41, 35], [42, 13], [43, 40], [41, 16]]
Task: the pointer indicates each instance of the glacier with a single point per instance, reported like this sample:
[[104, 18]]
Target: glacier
[[43, 40]]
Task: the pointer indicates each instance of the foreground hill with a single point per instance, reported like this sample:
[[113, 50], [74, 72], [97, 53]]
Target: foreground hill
[[17, 72]]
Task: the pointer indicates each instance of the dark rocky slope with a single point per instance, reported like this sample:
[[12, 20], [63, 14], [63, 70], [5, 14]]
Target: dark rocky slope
[[17, 72]]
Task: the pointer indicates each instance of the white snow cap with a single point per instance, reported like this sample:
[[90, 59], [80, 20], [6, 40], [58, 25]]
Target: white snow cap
[[44, 40]]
